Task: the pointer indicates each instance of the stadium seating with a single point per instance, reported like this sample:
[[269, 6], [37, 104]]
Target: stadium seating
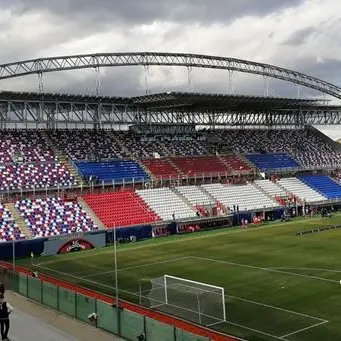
[[113, 170], [247, 197], [271, 188], [195, 195], [121, 209], [303, 145], [272, 161], [53, 217], [29, 176], [9, 230], [165, 203], [185, 147], [296, 187], [141, 147], [235, 163], [26, 143], [323, 184], [160, 168], [85, 144], [201, 165]]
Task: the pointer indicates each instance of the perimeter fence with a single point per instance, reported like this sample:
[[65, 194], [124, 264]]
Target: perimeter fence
[[119, 321]]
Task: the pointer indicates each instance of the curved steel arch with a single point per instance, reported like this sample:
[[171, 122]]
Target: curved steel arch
[[51, 64]]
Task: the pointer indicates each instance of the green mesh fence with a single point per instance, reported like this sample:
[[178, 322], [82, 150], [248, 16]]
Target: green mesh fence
[[132, 325], [84, 307], [11, 281], [181, 335], [50, 295], [67, 302], [34, 288], [22, 285], [107, 317], [79, 306], [156, 331]]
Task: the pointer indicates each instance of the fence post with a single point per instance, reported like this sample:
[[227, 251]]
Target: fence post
[[145, 326], [26, 285], [76, 310], [174, 331], [58, 308], [41, 292]]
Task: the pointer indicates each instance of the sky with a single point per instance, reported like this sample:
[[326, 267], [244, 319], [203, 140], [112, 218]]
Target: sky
[[297, 34]]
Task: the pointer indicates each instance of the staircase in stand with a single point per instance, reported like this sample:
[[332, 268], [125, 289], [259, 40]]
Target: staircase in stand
[[180, 172], [91, 213], [63, 159], [19, 220]]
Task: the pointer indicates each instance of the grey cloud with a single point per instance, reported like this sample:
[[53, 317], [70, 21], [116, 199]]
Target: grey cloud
[[301, 36], [138, 11]]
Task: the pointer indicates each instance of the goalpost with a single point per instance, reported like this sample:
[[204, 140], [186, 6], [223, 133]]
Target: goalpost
[[201, 302]]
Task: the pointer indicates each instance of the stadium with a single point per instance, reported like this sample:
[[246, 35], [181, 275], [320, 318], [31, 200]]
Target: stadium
[[178, 216]]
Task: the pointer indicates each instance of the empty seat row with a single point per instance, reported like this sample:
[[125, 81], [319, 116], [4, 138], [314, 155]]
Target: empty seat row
[[121, 209]]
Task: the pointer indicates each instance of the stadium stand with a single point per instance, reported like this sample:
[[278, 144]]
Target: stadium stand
[[303, 145], [185, 147], [26, 143], [82, 144], [160, 168], [53, 217], [270, 188], [247, 197], [27, 162], [121, 209], [9, 230], [195, 195], [141, 147], [118, 170], [166, 204], [296, 187], [272, 161], [323, 184], [29, 176], [234, 162], [198, 166]]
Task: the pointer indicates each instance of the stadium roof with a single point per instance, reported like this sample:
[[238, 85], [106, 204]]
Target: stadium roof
[[179, 100]]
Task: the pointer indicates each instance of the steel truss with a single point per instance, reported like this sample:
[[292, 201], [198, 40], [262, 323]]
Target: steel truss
[[69, 114], [146, 59]]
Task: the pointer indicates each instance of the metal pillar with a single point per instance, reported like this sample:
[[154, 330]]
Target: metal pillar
[[40, 83], [98, 81], [189, 78]]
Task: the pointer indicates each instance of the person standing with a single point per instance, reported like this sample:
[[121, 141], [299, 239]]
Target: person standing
[[5, 311], [2, 289]]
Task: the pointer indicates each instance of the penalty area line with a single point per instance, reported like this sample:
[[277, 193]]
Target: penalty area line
[[304, 329], [266, 269]]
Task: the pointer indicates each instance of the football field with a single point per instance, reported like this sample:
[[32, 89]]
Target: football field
[[278, 286]]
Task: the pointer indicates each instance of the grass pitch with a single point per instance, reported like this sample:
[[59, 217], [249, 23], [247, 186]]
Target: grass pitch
[[278, 286]]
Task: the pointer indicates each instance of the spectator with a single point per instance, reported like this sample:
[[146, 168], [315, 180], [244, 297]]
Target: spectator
[[2, 289], [5, 311]]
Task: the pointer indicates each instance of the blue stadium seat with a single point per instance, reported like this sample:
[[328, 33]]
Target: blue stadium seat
[[113, 170], [322, 184], [272, 161]]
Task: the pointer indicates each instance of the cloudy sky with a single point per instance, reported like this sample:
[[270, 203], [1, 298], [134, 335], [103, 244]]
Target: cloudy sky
[[297, 34]]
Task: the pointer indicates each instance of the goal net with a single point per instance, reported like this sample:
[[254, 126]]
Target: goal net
[[195, 301]]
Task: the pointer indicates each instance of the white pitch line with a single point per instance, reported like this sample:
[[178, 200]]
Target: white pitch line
[[266, 269], [137, 266], [307, 269], [277, 308], [256, 330], [304, 329]]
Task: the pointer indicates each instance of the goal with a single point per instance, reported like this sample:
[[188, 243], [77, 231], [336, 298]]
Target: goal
[[199, 302]]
